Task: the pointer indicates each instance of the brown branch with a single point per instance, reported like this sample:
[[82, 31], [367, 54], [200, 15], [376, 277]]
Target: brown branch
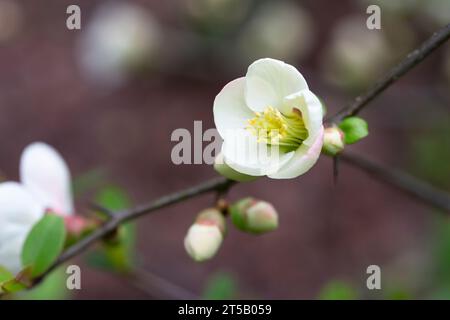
[[411, 60], [418, 189]]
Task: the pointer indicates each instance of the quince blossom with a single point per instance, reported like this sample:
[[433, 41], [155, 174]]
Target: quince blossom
[[270, 109], [45, 186]]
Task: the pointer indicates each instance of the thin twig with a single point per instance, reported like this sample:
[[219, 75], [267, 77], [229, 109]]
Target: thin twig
[[411, 60], [403, 181], [159, 287]]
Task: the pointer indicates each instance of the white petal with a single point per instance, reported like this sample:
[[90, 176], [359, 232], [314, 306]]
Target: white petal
[[10, 253], [244, 154], [18, 206], [269, 81], [225, 170], [19, 211], [230, 110], [312, 112], [45, 173], [304, 158]]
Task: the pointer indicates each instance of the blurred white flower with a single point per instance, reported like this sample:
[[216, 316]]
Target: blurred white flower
[[45, 186], [11, 19], [271, 110], [216, 15], [402, 6], [121, 38], [438, 10], [278, 29], [355, 55]]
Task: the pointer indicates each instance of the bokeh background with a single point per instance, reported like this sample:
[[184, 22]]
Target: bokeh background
[[109, 96]]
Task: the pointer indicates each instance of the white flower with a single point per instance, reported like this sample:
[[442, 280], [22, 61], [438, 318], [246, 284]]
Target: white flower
[[273, 109], [121, 39], [265, 34], [203, 241], [45, 186]]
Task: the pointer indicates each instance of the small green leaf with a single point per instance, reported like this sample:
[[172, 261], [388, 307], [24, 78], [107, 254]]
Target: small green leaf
[[44, 244], [5, 275], [338, 290], [53, 287], [354, 129], [221, 286], [12, 286], [113, 198], [118, 255]]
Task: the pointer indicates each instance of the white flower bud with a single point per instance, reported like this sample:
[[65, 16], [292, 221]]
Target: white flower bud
[[202, 241], [333, 141], [205, 236], [254, 216]]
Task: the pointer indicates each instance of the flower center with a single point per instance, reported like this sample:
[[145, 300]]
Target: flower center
[[274, 128]]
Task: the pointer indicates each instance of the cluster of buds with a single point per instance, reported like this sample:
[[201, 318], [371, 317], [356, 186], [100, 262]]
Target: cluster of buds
[[206, 235]]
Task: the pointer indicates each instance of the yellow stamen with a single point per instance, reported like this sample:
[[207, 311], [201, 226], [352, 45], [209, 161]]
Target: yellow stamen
[[274, 128]]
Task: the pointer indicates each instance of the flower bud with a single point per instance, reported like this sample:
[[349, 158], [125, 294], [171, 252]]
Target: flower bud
[[205, 236], [254, 216], [77, 226], [333, 141]]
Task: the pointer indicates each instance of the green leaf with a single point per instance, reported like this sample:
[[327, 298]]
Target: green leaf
[[398, 294], [12, 286], [428, 158], [118, 255], [354, 129], [113, 198], [221, 286], [44, 244], [53, 287], [338, 290], [5, 275]]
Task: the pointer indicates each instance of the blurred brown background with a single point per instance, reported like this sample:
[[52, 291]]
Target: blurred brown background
[[49, 93]]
